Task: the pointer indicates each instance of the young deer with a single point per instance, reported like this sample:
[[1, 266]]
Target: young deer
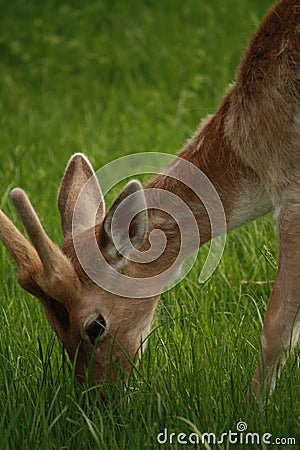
[[249, 149]]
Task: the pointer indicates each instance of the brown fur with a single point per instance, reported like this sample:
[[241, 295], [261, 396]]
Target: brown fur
[[249, 149]]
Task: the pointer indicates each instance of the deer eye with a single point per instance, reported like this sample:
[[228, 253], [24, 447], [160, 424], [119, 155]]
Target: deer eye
[[96, 329]]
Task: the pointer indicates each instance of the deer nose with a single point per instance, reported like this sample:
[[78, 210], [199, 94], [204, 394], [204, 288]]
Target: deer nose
[[94, 329]]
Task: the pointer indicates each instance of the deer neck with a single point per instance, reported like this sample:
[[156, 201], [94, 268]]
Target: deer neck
[[224, 176]]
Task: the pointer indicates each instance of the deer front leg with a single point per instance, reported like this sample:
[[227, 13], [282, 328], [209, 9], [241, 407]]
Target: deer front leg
[[282, 321]]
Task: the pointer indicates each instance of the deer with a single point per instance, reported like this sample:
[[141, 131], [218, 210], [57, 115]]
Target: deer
[[249, 150]]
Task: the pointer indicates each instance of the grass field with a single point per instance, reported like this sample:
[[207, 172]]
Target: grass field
[[110, 78]]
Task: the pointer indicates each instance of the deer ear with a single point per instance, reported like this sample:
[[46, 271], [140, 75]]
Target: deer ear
[[78, 172], [125, 224]]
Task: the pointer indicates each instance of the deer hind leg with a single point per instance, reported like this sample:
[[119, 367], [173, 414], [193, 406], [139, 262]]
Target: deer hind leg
[[282, 321]]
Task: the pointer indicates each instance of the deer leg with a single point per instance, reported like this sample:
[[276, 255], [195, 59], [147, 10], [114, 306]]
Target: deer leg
[[282, 321]]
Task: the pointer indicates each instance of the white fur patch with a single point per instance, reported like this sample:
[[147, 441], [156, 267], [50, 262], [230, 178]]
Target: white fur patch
[[277, 212], [252, 204]]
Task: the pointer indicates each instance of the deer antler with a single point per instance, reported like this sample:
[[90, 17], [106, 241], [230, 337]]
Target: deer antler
[[20, 249], [42, 264]]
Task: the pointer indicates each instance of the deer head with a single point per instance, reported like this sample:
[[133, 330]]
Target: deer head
[[101, 331]]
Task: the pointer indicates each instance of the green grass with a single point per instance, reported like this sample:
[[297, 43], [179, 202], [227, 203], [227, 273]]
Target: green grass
[[110, 78]]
